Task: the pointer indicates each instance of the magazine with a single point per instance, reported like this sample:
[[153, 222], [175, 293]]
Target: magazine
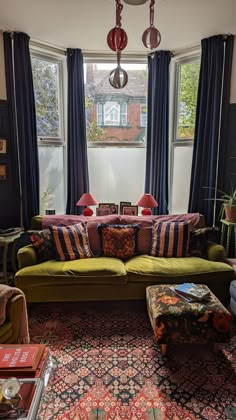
[[188, 299], [194, 291]]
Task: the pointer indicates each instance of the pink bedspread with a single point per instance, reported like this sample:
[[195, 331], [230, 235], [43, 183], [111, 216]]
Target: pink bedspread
[[70, 219], [6, 292]]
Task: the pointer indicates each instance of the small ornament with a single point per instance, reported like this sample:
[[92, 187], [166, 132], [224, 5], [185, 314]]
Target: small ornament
[[117, 38], [118, 77], [10, 388], [151, 37]]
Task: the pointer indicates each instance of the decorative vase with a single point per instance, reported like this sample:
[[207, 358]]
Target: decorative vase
[[230, 213]]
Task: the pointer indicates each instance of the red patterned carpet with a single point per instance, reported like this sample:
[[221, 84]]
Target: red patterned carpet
[[110, 368]]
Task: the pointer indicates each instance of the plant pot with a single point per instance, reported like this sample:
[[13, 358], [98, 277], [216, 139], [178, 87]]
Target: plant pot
[[230, 213]]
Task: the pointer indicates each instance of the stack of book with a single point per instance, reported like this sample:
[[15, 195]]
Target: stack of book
[[192, 292], [23, 360]]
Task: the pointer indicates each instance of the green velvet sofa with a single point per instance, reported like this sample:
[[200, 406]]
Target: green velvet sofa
[[103, 278]]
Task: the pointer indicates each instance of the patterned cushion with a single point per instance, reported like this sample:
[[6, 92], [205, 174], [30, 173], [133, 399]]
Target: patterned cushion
[[118, 241], [43, 244], [198, 243], [71, 242], [170, 239]]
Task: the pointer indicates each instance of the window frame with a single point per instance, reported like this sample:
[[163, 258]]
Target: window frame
[[60, 60], [174, 141], [110, 59]]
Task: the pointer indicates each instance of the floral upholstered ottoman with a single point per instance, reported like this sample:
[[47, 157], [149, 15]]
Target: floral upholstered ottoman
[[175, 320]]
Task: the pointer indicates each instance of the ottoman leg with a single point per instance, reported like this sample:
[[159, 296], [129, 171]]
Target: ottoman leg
[[164, 348]]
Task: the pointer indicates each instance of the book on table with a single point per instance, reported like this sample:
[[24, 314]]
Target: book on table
[[199, 292], [22, 359]]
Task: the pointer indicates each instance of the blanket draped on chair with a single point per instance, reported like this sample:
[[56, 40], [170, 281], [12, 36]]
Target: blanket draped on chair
[[6, 292]]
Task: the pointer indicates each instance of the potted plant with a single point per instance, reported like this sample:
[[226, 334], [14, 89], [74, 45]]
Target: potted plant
[[229, 205]]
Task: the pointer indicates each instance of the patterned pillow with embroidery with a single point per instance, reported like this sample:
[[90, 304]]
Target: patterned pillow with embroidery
[[118, 241], [170, 239], [42, 243], [71, 242]]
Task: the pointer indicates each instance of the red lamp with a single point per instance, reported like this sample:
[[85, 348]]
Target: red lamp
[[147, 201], [87, 200]]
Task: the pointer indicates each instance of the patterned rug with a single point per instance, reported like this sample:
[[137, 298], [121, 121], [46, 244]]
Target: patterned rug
[[110, 368]]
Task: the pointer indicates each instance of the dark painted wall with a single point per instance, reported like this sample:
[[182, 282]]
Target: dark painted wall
[[9, 188]]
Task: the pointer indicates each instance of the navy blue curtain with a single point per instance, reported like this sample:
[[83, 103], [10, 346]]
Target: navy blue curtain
[[78, 181], [156, 180], [20, 94], [209, 139]]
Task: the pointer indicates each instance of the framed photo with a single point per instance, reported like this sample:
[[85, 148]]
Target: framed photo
[[105, 205], [114, 209], [3, 146], [103, 211], [130, 210], [3, 172], [123, 204]]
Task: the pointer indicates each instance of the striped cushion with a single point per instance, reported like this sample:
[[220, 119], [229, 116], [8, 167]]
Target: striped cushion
[[71, 242], [170, 239]]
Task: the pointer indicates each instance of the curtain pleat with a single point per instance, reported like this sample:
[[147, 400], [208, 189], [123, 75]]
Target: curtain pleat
[[156, 179], [207, 141], [78, 180], [20, 93]]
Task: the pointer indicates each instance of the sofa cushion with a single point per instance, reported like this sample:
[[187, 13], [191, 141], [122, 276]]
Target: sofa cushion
[[94, 270], [170, 239], [146, 222], [71, 242], [144, 267], [198, 243], [42, 243], [118, 241]]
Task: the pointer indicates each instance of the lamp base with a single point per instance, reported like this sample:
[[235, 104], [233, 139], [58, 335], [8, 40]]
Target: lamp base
[[146, 212], [87, 211]]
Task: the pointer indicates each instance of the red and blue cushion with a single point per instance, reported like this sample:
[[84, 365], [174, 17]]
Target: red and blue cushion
[[118, 241], [71, 242], [170, 239]]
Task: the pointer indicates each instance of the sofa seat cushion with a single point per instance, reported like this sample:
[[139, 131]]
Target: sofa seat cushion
[[93, 270], [147, 267]]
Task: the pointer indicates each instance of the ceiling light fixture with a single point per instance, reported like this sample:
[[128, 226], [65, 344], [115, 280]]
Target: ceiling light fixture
[[135, 2], [117, 40]]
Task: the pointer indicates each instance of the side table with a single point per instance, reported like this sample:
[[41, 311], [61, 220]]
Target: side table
[[5, 241], [228, 228]]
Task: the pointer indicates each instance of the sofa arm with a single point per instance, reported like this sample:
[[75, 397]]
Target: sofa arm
[[14, 309], [215, 252], [26, 256]]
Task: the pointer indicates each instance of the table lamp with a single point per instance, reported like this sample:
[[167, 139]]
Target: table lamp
[[87, 200], [147, 201]]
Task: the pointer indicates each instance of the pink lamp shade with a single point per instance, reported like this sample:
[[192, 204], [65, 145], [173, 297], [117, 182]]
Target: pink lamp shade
[[147, 201], [87, 200]]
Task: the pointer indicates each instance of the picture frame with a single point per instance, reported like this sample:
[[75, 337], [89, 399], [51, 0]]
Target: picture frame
[[123, 204], [130, 210], [105, 205], [114, 209], [103, 211], [3, 172], [3, 146]]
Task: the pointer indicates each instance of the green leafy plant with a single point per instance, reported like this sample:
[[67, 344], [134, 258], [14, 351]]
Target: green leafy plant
[[227, 199]]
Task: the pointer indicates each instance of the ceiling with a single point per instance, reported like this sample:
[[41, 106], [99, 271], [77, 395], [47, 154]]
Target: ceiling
[[85, 23]]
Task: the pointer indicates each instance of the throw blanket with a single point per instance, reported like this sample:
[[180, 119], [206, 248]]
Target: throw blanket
[[6, 292], [70, 219]]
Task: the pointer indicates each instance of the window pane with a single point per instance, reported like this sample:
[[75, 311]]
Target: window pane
[[143, 115], [46, 89], [51, 166], [119, 120], [111, 113], [181, 179], [187, 99]]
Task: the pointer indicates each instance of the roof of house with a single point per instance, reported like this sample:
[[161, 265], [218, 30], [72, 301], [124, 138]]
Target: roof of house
[[136, 86]]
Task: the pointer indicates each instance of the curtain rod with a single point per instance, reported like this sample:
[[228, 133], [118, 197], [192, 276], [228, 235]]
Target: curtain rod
[[108, 56]]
